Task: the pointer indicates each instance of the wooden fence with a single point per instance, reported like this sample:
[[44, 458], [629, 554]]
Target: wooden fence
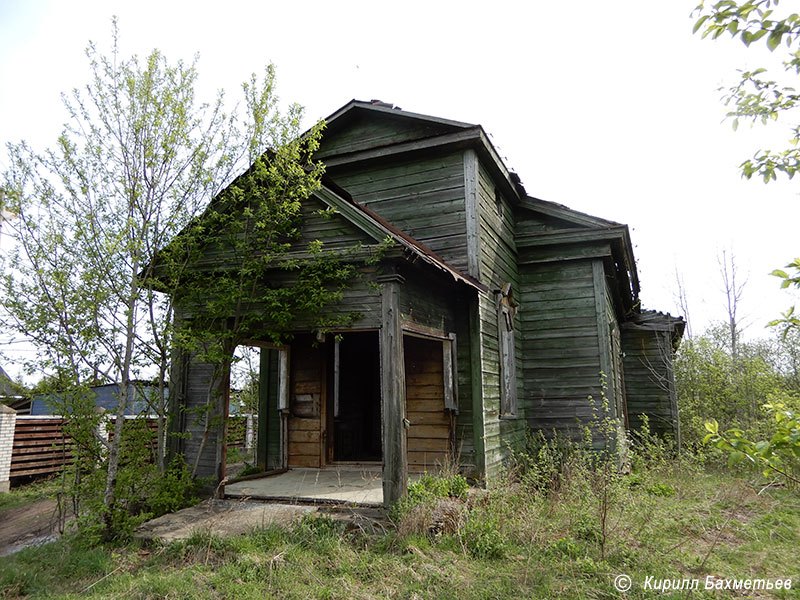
[[41, 448]]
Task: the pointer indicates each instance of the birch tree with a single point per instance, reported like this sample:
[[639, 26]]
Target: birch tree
[[138, 159]]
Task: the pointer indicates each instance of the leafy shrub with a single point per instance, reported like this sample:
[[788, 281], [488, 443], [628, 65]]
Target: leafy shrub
[[660, 489], [427, 491], [540, 466], [314, 529], [566, 548], [482, 536]]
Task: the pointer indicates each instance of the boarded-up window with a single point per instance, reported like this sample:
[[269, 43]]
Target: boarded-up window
[[506, 309]]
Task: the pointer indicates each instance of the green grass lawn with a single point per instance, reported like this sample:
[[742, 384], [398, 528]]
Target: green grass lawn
[[521, 539]]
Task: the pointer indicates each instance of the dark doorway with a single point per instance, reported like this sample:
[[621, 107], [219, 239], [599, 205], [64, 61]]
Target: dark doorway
[[354, 398]]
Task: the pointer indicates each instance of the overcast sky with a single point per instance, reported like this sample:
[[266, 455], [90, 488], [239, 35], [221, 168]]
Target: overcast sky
[[611, 108]]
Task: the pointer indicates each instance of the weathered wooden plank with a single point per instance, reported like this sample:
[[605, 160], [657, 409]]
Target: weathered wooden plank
[[304, 436], [303, 448], [441, 431], [427, 457], [377, 131], [563, 253], [393, 392], [471, 209], [301, 424], [304, 461]]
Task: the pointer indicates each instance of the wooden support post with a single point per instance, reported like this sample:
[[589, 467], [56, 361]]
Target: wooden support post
[[393, 392], [283, 404], [471, 207], [263, 408], [476, 381]]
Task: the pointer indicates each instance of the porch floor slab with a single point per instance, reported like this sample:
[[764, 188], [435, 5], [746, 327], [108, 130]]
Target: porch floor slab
[[363, 487]]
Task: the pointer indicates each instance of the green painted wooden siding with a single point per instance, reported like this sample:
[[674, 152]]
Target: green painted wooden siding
[[561, 345], [543, 223], [269, 419], [422, 196], [610, 346], [649, 380], [335, 232], [202, 387], [366, 133], [498, 265], [427, 301]]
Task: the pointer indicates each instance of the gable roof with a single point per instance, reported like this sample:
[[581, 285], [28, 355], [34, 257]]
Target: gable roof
[[434, 132], [559, 211], [444, 133], [388, 108]]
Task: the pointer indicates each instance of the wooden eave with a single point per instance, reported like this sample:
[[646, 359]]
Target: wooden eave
[[357, 105], [620, 265], [460, 139], [651, 320], [469, 136], [559, 211]]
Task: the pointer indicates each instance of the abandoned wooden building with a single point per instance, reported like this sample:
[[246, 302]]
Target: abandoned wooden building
[[495, 313]]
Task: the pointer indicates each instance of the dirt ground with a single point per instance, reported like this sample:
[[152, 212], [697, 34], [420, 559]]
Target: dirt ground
[[27, 525]]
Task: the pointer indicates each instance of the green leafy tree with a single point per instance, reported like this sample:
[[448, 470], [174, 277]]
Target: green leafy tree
[[761, 96], [712, 383], [779, 454], [137, 162]]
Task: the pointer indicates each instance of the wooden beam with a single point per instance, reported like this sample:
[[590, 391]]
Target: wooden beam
[[465, 137], [448, 372], [565, 236], [263, 408], [476, 381], [603, 333], [559, 211], [283, 404], [393, 392], [471, 209]]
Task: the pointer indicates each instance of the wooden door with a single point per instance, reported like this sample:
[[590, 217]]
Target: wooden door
[[430, 423]]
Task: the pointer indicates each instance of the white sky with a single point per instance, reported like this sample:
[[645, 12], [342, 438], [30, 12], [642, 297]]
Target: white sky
[[612, 108]]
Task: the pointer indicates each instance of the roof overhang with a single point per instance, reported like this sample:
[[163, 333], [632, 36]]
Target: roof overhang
[[612, 243], [652, 320]]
